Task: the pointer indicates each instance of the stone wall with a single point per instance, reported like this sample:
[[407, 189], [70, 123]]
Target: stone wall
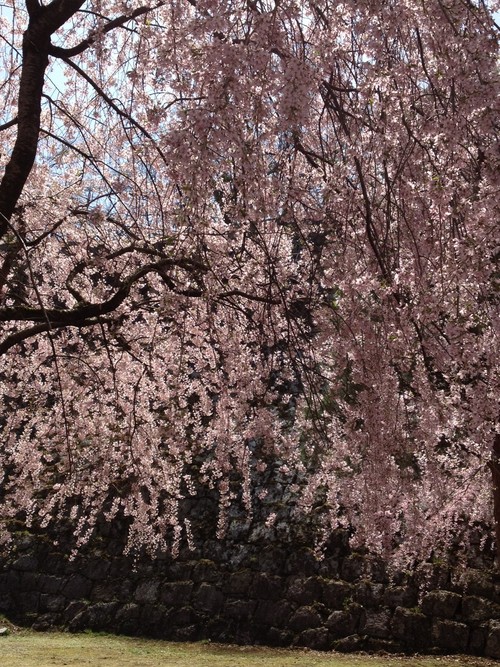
[[260, 593], [262, 584]]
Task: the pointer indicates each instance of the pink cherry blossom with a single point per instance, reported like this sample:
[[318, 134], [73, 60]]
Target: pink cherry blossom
[[236, 234]]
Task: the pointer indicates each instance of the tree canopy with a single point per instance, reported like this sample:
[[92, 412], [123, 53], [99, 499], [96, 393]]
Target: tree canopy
[[249, 231]]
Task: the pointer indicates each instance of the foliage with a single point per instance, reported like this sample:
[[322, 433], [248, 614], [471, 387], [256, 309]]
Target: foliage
[[244, 231]]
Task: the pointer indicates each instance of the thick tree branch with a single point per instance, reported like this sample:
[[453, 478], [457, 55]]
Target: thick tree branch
[[85, 311], [35, 61], [55, 14], [44, 21], [88, 314], [59, 52], [33, 7], [20, 336], [9, 123], [251, 297]]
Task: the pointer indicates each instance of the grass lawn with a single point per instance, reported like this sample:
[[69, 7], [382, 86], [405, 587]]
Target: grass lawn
[[24, 648]]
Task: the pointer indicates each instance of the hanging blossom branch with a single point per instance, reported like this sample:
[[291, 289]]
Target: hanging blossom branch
[[123, 114], [298, 254]]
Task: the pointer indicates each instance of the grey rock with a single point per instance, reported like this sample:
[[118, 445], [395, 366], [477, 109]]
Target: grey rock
[[239, 582], [412, 627], [377, 645], [96, 569], [28, 603], [441, 603], [206, 571], [277, 637], [29, 581], [176, 593], [52, 603], [476, 609], [344, 623], [105, 591], [73, 610], [239, 610], [477, 583], [101, 616], [377, 623], [187, 633], [302, 562], [349, 644], [376, 570], [44, 622], [492, 649], [128, 615], [147, 592], [26, 563], [353, 567], [273, 613], [329, 567], [477, 639], [151, 617], [450, 635], [304, 591], [180, 571], [304, 618], [208, 598], [432, 576], [315, 638], [400, 596], [368, 594], [6, 602], [266, 586], [184, 617], [50, 584], [335, 593], [77, 587], [10, 581]]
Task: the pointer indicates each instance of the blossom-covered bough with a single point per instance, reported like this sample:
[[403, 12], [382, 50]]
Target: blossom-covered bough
[[236, 233]]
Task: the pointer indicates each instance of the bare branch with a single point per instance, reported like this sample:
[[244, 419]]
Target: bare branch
[[9, 123]]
